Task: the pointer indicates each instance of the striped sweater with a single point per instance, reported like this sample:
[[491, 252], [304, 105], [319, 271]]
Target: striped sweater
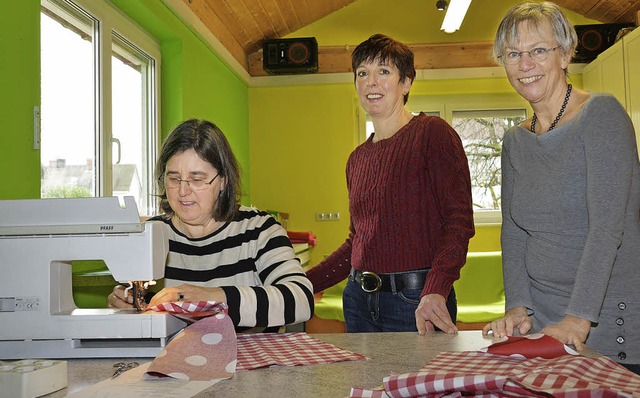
[[252, 260]]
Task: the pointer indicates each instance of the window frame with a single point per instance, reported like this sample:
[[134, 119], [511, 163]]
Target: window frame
[[111, 21]]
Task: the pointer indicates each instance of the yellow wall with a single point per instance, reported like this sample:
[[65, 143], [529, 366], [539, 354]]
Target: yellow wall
[[300, 140]]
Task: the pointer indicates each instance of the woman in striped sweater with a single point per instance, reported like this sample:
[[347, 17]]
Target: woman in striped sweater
[[219, 250]]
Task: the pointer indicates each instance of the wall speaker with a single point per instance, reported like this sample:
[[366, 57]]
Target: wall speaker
[[290, 56], [594, 39]]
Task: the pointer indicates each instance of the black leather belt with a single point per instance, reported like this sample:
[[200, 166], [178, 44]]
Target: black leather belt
[[371, 282]]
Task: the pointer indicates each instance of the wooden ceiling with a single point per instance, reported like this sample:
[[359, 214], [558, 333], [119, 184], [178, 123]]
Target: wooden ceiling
[[241, 26]]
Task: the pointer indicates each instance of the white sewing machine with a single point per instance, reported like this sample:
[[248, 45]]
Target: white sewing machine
[[38, 317]]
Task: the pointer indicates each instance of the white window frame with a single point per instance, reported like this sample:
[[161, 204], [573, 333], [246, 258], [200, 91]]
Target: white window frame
[[110, 19]]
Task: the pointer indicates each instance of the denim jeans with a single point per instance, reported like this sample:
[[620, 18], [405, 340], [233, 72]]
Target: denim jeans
[[384, 311]]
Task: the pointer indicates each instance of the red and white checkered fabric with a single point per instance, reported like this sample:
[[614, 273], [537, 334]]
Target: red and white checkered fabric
[[191, 308], [260, 350], [478, 374]]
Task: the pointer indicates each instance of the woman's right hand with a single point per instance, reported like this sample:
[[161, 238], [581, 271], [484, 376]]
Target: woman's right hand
[[119, 299], [514, 320]]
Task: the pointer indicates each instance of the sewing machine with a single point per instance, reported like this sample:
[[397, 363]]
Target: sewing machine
[[38, 316]]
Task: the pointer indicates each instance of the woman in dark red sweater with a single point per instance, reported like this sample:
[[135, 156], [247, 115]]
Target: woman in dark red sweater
[[410, 205]]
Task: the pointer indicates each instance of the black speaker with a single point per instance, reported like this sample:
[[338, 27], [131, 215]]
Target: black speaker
[[594, 39], [290, 56]]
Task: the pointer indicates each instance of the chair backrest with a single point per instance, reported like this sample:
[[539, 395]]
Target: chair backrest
[[480, 289]]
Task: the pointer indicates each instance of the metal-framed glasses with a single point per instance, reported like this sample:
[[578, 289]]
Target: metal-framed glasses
[[537, 54], [197, 184]]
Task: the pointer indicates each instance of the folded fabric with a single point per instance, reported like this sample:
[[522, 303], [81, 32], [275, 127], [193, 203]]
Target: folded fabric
[[205, 350], [483, 374], [302, 237], [260, 350], [210, 350], [530, 346]]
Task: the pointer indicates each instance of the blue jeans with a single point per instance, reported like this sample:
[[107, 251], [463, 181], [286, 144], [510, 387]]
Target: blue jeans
[[384, 311]]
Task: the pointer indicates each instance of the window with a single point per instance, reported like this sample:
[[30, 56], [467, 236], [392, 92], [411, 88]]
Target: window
[[482, 133], [99, 103]]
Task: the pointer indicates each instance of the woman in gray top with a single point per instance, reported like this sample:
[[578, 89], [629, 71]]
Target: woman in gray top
[[570, 198]]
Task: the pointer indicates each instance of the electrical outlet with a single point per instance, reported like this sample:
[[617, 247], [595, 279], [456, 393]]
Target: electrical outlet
[[327, 216]]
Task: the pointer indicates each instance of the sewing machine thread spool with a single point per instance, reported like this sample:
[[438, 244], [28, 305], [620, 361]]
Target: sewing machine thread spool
[[32, 377]]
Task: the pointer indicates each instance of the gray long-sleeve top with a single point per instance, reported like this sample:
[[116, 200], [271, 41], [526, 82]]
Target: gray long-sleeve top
[[571, 225]]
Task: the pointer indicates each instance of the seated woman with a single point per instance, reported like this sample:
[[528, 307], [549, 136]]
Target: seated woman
[[219, 250]]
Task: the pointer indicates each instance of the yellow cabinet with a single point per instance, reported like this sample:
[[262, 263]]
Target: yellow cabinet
[[617, 71], [632, 75], [606, 73]]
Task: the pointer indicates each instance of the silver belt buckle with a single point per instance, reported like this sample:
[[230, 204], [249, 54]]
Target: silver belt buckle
[[374, 276]]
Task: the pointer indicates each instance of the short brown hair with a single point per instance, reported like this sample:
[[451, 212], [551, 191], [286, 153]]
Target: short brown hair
[[384, 49]]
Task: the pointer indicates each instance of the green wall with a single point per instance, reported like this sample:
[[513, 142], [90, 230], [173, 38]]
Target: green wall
[[195, 83], [19, 79]]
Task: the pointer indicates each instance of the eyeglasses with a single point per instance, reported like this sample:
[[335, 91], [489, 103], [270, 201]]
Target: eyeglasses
[[538, 54], [195, 184]]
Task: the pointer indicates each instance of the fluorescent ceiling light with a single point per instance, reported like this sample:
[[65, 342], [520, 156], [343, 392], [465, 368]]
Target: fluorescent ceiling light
[[455, 14]]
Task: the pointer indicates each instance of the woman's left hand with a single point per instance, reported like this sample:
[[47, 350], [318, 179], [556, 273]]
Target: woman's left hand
[[187, 292], [570, 330], [432, 313]]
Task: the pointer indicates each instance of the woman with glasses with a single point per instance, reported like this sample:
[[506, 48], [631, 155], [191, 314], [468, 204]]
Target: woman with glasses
[[219, 250], [410, 206], [570, 198]]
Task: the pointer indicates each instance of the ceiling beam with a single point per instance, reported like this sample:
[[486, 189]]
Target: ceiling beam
[[427, 56]]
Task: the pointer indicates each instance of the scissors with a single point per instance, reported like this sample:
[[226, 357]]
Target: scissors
[[122, 367]]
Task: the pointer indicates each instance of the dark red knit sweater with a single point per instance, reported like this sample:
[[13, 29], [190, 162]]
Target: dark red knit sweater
[[410, 205]]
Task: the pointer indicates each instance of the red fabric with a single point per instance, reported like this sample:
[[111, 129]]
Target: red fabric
[[259, 350], [478, 374], [530, 346], [410, 206], [302, 237]]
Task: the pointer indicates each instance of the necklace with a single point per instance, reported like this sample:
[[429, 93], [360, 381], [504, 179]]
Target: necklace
[[534, 119]]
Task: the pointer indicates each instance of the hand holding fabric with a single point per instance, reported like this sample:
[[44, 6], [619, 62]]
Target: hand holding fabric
[[432, 313], [516, 319], [570, 330], [187, 292]]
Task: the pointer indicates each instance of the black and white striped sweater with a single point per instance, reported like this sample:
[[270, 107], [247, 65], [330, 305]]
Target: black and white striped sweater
[[252, 260]]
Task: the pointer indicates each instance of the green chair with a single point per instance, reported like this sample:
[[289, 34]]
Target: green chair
[[480, 289]]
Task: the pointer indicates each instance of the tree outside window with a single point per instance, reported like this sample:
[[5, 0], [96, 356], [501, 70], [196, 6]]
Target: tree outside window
[[482, 133]]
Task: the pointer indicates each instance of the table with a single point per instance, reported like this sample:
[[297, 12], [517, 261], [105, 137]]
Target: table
[[387, 352]]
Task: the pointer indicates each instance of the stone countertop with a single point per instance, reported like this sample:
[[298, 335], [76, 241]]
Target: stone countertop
[[387, 353]]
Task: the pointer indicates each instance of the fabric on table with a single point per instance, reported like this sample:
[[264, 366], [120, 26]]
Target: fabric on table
[[205, 350], [482, 374], [260, 350], [530, 346], [209, 349]]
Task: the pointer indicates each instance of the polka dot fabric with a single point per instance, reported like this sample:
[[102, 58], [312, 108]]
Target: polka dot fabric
[[204, 351]]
